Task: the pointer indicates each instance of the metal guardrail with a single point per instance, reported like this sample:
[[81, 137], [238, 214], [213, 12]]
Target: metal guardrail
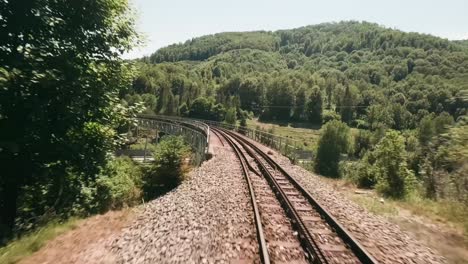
[[195, 134], [289, 147]]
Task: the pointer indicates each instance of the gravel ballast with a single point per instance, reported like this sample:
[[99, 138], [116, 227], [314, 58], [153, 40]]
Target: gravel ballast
[[207, 219], [384, 240]]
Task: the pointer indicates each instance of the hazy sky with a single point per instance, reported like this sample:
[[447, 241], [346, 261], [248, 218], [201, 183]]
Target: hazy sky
[[165, 22]]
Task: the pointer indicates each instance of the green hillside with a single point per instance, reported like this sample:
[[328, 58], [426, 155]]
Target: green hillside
[[204, 47], [353, 64]]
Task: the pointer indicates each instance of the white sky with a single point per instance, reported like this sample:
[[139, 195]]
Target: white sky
[[164, 22]]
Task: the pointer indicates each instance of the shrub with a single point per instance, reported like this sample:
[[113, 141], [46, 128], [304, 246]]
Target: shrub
[[333, 142], [230, 117], [167, 171], [120, 185], [117, 185], [362, 173], [328, 116], [362, 142]]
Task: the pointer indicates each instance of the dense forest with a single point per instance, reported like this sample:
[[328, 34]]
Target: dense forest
[[405, 95], [274, 74]]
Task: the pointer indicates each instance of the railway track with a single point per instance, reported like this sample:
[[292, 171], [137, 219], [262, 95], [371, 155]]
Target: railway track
[[292, 227], [219, 136]]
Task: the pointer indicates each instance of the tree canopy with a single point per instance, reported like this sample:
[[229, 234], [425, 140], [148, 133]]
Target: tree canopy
[[60, 78]]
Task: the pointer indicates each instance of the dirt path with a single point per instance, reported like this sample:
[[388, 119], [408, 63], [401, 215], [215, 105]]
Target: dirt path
[[86, 243]]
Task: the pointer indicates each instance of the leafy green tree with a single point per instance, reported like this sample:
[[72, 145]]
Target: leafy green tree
[[133, 99], [184, 110], [314, 106], [300, 104], [454, 154], [333, 142], [426, 130], [243, 122], [394, 179], [362, 142], [61, 74], [218, 112], [402, 118], [328, 116], [442, 123], [231, 116], [347, 102], [379, 116], [399, 72], [201, 108], [280, 97], [251, 94], [150, 102], [329, 88]]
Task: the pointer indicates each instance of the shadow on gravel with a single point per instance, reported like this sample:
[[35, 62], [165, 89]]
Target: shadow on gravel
[[154, 192]]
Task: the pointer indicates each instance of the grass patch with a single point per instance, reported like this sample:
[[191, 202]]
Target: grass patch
[[441, 211], [141, 145], [307, 137], [446, 212], [30, 243], [372, 204]]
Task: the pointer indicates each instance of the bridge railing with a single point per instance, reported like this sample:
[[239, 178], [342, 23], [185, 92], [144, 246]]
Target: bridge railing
[[289, 147], [286, 146], [195, 134]]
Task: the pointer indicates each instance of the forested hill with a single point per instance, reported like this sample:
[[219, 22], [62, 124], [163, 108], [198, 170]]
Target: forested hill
[[310, 40], [204, 47], [463, 42], [365, 74]]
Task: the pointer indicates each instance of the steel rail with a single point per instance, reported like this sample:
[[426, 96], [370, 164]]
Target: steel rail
[[347, 237], [263, 250], [305, 237], [218, 136]]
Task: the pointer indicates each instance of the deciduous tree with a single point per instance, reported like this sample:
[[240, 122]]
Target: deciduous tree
[[60, 80]]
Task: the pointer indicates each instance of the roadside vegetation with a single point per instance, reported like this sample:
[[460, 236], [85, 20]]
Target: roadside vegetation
[[60, 114], [427, 173], [121, 184], [62, 118], [169, 168], [33, 241]]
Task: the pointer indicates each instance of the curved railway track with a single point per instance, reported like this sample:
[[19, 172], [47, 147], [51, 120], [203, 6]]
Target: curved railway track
[[319, 234], [220, 137]]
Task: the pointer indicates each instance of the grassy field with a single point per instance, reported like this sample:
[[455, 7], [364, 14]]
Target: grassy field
[[306, 136], [32, 242], [446, 212]]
